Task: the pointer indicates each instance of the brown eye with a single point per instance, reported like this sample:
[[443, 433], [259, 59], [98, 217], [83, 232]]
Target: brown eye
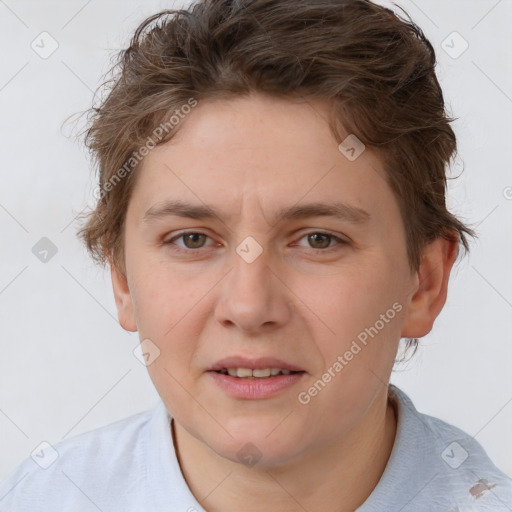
[[190, 240], [319, 240], [193, 240]]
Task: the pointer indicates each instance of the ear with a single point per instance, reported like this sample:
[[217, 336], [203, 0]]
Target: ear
[[429, 294], [123, 299]]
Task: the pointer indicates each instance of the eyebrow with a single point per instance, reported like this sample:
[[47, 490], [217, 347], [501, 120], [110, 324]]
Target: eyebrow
[[336, 210]]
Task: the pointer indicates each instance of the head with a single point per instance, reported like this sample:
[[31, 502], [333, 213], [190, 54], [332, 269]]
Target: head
[[218, 121]]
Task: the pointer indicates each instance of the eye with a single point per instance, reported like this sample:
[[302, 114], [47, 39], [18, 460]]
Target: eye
[[192, 240], [320, 241]]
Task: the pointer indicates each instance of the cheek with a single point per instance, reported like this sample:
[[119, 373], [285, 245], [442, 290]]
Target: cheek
[[166, 309], [355, 299], [172, 389], [362, 309], [162, 295]]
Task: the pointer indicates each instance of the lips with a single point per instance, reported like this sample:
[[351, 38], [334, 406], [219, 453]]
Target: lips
[[243, 378]]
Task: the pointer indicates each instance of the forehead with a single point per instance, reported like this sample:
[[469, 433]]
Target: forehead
[[275, 151]]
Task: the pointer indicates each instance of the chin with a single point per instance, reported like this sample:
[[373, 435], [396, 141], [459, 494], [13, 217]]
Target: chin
[[258, 443]]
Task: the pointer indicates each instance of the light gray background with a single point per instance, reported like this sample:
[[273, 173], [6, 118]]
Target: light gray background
[[66, 366]]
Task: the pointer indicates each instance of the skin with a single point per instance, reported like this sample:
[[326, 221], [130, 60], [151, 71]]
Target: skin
[[246, 158]]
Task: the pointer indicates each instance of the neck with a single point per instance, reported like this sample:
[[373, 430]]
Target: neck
[[339, 478]]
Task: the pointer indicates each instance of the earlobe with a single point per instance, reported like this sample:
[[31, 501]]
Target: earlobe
[[429, 295], [123, 299]]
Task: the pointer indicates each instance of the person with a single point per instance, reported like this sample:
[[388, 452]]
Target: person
[[236, 136]]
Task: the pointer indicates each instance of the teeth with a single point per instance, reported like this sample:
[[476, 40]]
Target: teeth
[[243, 372], [262, 373], [247, 373]]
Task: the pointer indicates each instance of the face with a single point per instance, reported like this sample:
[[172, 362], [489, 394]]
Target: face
[[324, 297]]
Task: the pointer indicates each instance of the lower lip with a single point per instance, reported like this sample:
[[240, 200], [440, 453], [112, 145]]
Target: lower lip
[[255, 389]]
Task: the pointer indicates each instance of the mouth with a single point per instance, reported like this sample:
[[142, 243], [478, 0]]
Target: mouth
[[242, 378], [261, 368], [256, 373]]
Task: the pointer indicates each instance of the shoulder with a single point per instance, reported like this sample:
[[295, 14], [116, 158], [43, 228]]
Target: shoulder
[[81, 471], [467, 471], [461, 472]]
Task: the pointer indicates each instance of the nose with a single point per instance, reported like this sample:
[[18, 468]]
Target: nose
[[253, 297]]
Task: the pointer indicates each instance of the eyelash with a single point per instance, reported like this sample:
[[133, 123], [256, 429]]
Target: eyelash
[[317, 251]]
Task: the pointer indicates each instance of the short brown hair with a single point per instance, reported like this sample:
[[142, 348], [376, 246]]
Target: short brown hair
[[375, 67]]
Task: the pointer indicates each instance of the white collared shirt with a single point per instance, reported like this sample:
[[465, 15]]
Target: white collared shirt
[[131, 466]]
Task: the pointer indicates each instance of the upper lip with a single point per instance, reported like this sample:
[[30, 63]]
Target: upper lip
[[254, 364]]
